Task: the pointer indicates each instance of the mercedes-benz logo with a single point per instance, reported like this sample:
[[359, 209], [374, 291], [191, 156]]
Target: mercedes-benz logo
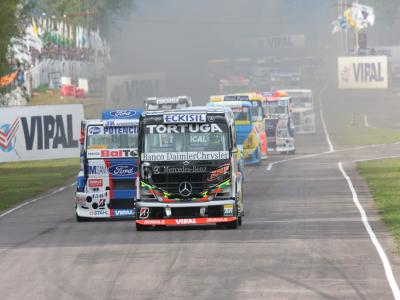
[[186, 163], [185, 189], [156, 170]]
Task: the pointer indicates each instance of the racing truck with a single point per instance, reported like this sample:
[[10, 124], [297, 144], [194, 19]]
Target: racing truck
[[165, 103], [257, 114], [248, 134], [239, 84], [188, 169], [285, 79], [302, 108], [106, 183], [278, 123]]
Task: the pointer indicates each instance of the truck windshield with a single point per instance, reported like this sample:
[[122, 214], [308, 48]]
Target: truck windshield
[[103, 140], [276, 108], [302, 101], [166, 106], [186, 138], [257, 111], [241, 114]]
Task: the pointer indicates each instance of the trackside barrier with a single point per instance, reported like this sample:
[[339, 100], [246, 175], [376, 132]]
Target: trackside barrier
[[52, 70]]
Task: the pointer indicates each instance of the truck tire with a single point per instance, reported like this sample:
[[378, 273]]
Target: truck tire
[[140, 227], [232, 225], [81, 219]]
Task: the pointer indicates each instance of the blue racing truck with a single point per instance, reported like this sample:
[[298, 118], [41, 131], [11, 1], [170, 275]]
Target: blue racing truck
[[106, 182]]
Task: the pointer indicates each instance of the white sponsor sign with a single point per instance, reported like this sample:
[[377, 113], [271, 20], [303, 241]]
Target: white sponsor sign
[[97, 167], [363, 72], [133, 89], [181, 156], [105, 153], [284, 41], [40, 132], [114, 130], [389, 51], [277, 42], [167, 100], [185, 118]]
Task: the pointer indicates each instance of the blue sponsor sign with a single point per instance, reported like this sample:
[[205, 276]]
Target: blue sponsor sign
[[94, 130], [122, 170], [121, 114], [123, 212]]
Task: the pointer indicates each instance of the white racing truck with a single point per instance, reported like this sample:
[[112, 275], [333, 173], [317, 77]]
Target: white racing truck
[[106, 182], [302, 109], [166, 103]]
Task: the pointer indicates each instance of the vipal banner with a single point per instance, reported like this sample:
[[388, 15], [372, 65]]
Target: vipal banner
[[133, 89], [363, 72], [40, 132]]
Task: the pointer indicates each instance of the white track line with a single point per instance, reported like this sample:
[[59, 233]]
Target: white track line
[[270, 165], [321, 114], [35, 200], [375, 242], [366, 121]]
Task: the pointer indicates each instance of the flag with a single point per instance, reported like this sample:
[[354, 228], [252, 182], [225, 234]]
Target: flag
[[350, 20], [35, 28], [340, 25], [363, 15]]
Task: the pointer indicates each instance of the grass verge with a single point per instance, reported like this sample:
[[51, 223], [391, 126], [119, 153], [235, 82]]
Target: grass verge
[[358, 135], [383, 178], [24, 180], [93, 104]]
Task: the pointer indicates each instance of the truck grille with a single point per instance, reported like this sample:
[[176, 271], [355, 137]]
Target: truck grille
[[123, 184], [122, 203], [171, 182]]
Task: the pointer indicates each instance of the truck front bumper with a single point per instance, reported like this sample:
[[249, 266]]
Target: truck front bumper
[[176, 214], [95, 205]]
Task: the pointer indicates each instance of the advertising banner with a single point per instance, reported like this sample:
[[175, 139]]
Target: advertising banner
[[40, 132], [363, 72], [134, 89]]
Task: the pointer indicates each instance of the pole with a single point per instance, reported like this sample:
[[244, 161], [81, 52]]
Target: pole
[[346, 34], [340, 13], [357, 41]]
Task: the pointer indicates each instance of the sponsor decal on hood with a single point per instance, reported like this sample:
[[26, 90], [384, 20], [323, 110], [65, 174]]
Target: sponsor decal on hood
[[182, 156]]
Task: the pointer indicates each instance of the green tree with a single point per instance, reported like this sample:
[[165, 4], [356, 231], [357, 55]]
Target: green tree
[[106, 12], [8, 29], [11, 12]]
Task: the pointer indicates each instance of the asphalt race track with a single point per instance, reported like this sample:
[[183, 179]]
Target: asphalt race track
[[302, 238]]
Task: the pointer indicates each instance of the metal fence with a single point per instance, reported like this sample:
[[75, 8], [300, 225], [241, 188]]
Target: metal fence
[[52, 70]]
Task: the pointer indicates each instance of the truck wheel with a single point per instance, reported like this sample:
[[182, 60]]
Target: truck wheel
[[258, 157], [140, 227], [232, 225], [81, 219]]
